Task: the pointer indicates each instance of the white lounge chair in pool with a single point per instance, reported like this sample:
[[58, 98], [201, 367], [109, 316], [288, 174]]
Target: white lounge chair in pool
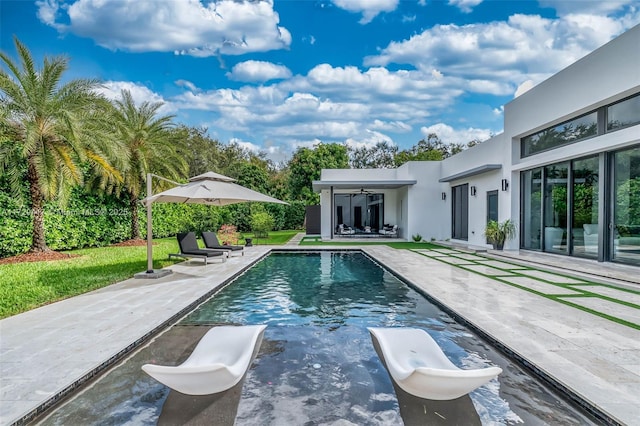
[[418, 365], [218, 362]]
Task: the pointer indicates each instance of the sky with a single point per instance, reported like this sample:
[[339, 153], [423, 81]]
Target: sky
[[276, 75]]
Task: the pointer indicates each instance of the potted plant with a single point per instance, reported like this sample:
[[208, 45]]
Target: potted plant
[[498, 232]]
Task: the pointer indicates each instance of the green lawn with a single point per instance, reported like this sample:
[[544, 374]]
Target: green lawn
[[25, 286], [316, 241], [275, 237]]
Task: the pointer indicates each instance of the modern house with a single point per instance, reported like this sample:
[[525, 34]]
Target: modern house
[[566, 170]]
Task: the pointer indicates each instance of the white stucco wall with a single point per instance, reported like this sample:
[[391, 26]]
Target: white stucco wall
[[427, 214]]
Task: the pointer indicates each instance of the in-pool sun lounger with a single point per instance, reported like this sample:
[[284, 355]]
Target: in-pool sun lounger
[[418, 365], [218, 362]]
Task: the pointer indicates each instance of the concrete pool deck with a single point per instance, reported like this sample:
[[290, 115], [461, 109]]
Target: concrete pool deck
[[46, 351]]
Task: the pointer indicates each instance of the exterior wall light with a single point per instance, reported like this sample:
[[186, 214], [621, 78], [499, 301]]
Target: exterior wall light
[[505, 184], [444, 196], [473, 191]]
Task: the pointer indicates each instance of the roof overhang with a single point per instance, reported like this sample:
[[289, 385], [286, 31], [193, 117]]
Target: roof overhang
[[472, 172], [319, 185]]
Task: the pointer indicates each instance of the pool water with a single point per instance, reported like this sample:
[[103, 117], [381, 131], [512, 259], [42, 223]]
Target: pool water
[[317, 364]]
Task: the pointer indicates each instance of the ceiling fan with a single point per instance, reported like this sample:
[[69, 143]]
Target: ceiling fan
[[362, 191]]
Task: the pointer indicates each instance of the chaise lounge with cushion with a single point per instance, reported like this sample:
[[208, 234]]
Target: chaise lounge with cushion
[[211, 242], [389, 231], [345, 230], [189, 249]]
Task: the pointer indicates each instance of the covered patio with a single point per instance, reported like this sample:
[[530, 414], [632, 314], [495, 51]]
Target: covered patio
[[360, 203]]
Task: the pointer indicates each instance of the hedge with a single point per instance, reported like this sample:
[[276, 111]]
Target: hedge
[[90, 220]]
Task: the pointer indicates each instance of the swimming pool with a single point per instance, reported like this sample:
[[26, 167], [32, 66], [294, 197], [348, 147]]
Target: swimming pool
[[317, 364]]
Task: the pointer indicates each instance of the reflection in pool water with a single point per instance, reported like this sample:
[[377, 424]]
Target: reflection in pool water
[[317, 364]]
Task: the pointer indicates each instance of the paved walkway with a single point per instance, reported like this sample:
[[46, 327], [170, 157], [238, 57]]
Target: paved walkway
[[548, 319]]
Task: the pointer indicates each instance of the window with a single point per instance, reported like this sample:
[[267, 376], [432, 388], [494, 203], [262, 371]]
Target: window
[[492, 207], [359, 211], [617, 116], [555, 207], [623, 114], [562, 134], [531, 209], [626, 206], [460, 212], [585, 207]]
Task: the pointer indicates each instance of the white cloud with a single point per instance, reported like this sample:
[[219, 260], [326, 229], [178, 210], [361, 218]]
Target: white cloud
[[48, 11], [524, 87], [369, 8], [565, 7], [258, 71], [366, 105], [183, 26], [396, 126], [140, 94], [448, 134], [185, 83], [465, 6], [368, 139], [495, 57]]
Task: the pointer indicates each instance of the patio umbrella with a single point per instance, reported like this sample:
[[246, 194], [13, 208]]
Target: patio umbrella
[[211, 188], [208, 188]]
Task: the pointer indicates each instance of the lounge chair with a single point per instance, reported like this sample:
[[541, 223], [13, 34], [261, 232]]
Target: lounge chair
[[345, 230], [211, 242], [218, 362], [418, 365], [389, 231], [189, 249]]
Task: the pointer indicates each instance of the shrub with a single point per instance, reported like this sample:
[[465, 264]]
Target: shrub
[[417, 238], [228, 235], [261, 224]]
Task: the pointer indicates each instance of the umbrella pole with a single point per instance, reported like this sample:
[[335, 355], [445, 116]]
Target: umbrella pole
[[149, 228]]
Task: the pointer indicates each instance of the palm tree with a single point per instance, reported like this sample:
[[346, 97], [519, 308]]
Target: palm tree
[[50, 132], [152, 146]]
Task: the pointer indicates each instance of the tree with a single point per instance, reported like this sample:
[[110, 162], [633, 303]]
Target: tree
[[305, 167], [431, 149], [201, 151], [51, 133], [255, 177], [150, 146], [380, 156]]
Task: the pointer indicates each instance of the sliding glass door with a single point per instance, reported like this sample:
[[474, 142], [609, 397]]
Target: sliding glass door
[[460, 212], [555, 208], [626, 206], [564, 209], [362, 212], [585, 201]]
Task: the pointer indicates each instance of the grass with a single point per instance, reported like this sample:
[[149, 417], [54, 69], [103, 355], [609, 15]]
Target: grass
[[25, 286], [275, 237], [316, 241]]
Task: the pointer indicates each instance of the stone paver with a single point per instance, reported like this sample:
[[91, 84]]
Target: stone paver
[[550, 277], [611, 292], [501, 265], [455, 260], [540, 286], [607, 307], [487, 270]]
